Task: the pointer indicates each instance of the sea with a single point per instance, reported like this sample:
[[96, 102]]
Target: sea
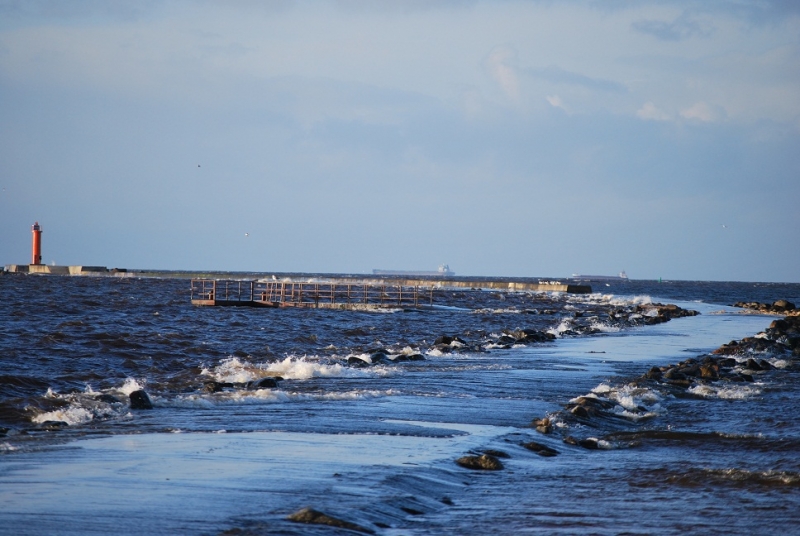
[[360, 416]]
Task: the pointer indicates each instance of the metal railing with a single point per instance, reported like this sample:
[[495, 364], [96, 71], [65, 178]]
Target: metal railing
[[289, 294]]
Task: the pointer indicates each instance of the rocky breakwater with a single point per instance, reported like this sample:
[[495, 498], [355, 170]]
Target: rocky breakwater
[[623, 415], [780, 307], [580, 410]]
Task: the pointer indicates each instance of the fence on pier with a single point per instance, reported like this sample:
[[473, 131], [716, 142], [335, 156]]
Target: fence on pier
[[317, 295]]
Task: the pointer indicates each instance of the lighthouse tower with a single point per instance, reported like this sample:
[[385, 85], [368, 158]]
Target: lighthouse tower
[[36, 249]]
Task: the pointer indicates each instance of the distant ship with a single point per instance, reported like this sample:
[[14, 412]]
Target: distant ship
[[443, 271], [621, 277]]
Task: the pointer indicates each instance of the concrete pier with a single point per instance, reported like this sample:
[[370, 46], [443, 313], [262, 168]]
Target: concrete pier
[[516, 284], [55, 270], [541, 286]]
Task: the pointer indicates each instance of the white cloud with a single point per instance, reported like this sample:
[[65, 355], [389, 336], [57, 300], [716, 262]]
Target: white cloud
[[650, 112], [704, 112], [555, 101], [500, 66]]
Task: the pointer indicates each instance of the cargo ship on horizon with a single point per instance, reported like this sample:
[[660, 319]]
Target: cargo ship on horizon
[[621, 277]]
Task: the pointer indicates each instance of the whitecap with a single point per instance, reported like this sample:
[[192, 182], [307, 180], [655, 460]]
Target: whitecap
[[738, 392], [71, 415]]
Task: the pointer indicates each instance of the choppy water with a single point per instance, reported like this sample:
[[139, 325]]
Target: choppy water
[[376, 443]]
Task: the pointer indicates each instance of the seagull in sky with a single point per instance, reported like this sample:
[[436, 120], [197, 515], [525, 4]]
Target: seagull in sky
[[246, 234]]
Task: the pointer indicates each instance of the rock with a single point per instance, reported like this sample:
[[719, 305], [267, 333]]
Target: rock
[[752, 364], [674, 373], [543, 426], [709, 371], [140, 400], [311, 516], [444, 339], [408, 357], [496, 453], [262, 383], [357, 362], [588, 443], [783, 305], [541, 450], [653, 374], [484, 462], [377, 357], [53, 425], [216, 387], [582, 412], [765, 365]]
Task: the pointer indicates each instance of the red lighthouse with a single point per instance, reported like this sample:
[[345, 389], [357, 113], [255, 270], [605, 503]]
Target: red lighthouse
[[37, 244]]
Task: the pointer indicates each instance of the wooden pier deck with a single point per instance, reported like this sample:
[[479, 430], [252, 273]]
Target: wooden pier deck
[[327, 295]]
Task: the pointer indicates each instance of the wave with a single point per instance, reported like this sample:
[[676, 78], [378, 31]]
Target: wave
[[261, 396]]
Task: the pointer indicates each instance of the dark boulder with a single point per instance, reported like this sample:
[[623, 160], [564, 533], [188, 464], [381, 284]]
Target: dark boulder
[[752, 364], [357, 362], [215, 386], [588, 443], [447, 340], [262, 383], [408, 357], [653, 374], [108, 399], [496, 453], [140, 400], [582, 412], [674, 373], [709, 371], [377, 357], [541, 450]]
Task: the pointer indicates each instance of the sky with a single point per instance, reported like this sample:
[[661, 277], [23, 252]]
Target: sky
[[504, 138]]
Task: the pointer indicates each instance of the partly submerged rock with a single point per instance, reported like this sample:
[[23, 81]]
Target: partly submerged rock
[[140, 400], [484, 462], [541, 450], [311, 516]]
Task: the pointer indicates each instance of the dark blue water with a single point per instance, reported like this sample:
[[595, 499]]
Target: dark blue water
[[715, 458]]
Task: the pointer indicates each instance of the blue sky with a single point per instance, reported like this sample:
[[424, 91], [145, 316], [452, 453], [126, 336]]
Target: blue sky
[[514, 138]]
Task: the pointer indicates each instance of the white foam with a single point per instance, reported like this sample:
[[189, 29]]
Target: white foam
[[738, 392], [232, 370], [602, 388], [300, 368], [559, 330], [605, 328], [130, 386], [72, 414], [275, 396]]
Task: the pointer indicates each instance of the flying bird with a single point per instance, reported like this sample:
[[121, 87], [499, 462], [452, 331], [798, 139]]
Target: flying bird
[[246, 234]]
